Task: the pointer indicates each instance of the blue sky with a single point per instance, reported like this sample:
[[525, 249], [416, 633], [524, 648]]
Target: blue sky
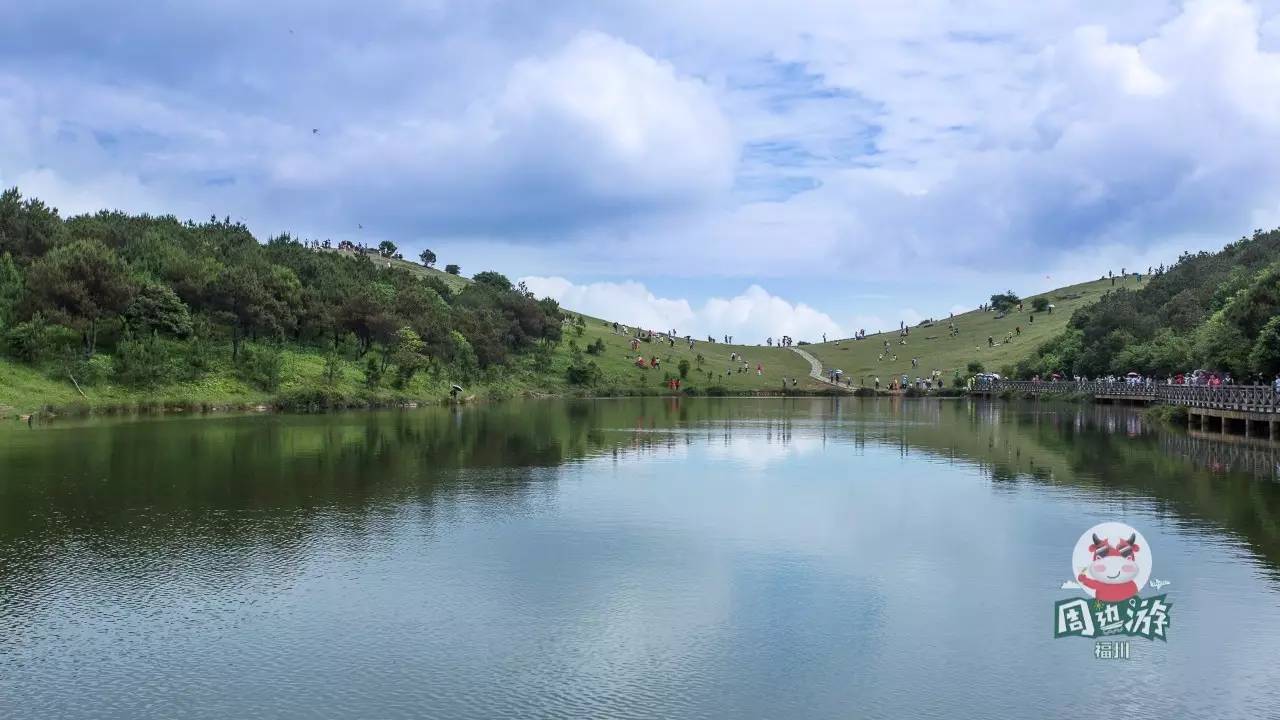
[[746, 167]]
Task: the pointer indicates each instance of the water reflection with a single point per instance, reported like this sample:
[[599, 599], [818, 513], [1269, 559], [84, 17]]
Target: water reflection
[[717, 557]]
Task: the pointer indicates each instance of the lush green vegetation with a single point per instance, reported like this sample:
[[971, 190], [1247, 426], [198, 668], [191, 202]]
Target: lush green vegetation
[[139, 303], [113, 311], [1218, 311]]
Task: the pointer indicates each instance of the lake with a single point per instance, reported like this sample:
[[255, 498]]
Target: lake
[[694, 558]]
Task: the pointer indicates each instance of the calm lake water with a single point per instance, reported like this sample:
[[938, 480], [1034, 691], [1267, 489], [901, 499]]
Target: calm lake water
[[715, 558]]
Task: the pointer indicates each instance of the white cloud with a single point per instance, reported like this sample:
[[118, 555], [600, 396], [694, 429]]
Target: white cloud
[[751, 317], [625, 139], [595, 130]]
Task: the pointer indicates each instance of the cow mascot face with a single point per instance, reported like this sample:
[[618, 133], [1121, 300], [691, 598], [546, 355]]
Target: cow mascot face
[[1114, 564]]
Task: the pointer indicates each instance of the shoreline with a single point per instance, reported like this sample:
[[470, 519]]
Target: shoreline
[[285, 404]]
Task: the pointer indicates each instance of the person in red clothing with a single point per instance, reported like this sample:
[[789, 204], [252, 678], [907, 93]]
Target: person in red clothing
[[1113, 569]]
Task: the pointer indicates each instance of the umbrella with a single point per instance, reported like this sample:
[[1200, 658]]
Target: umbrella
[[1133, 374]]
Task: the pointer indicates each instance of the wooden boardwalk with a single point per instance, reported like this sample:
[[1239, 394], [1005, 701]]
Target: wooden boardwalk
[[1251, 410]]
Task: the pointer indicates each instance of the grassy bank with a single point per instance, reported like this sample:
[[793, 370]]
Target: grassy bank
[[305, 386]]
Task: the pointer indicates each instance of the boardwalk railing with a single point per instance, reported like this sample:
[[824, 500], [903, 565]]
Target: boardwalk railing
[[1242, 398]]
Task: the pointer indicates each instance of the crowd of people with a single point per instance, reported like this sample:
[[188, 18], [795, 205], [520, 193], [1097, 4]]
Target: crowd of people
[[1198, 378]]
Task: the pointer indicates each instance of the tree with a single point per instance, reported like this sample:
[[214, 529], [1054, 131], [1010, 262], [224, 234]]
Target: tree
[[1003, 302], [1040, 304], [407, 355], [11, 287], [1265, 356], [386, 248], [493, 280], [157, 309], [428, 258], [242, 297], [683, 367], [452, 269], [28, 228], [1219, 345], [81, 284], [1183, 311]]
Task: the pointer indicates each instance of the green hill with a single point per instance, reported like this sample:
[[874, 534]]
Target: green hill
[[938, 349]]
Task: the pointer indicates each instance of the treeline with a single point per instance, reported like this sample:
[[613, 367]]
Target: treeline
[[145, 300], [1216, 311]]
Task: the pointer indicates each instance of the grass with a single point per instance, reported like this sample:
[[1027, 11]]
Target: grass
[[938, 350], [618, 362]]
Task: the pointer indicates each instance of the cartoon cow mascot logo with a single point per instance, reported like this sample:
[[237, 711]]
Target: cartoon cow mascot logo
[[1112, 562]]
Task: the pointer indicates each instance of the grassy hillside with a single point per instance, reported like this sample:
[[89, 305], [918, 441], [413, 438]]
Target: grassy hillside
[[937, 349], [455, 282], [25, 389]]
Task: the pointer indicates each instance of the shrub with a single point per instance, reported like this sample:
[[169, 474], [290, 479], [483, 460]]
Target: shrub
[[315, 399], [196, 358], [37, 340], [332, 367], [261, 366], [372, 372], [683, 367], [975, 367], [143, 362], [1040, 304], [1174, 414], [582, 371], [596, 348]]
